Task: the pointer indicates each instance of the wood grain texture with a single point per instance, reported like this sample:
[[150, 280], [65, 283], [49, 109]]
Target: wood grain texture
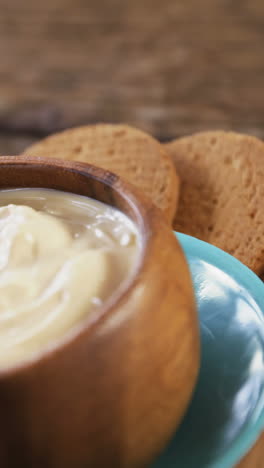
[[171, 67], [105, 396]]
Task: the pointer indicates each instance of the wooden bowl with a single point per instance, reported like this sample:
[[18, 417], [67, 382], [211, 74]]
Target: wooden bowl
[[112, 394]]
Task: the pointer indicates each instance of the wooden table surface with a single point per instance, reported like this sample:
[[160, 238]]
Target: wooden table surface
[[171, 67]]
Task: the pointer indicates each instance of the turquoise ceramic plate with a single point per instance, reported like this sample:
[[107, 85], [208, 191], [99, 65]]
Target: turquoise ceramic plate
[[226, 415]]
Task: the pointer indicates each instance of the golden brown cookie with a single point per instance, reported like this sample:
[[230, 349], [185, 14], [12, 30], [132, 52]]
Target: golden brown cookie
[[222, 192], [126, 151]]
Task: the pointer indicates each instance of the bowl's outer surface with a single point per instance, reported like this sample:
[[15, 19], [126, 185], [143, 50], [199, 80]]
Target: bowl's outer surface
[[226, 415], [111, 395]]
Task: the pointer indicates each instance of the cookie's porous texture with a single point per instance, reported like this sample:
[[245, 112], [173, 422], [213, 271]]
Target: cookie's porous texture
[[222, 192], [126, 151]]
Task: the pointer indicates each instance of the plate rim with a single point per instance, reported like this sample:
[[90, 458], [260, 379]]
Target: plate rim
[[242, 274]]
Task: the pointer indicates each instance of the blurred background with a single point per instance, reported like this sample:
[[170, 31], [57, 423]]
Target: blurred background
[[171, 67]]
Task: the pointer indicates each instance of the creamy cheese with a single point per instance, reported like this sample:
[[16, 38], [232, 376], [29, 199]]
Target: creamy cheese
[[61, 256]]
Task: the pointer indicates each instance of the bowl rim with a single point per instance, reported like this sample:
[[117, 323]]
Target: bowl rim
[[147, 219], [241, 273]]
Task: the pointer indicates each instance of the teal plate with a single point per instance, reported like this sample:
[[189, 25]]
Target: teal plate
[[226, 415]]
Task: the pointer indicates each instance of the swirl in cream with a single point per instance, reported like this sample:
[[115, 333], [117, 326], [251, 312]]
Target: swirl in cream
[[58, 252]]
